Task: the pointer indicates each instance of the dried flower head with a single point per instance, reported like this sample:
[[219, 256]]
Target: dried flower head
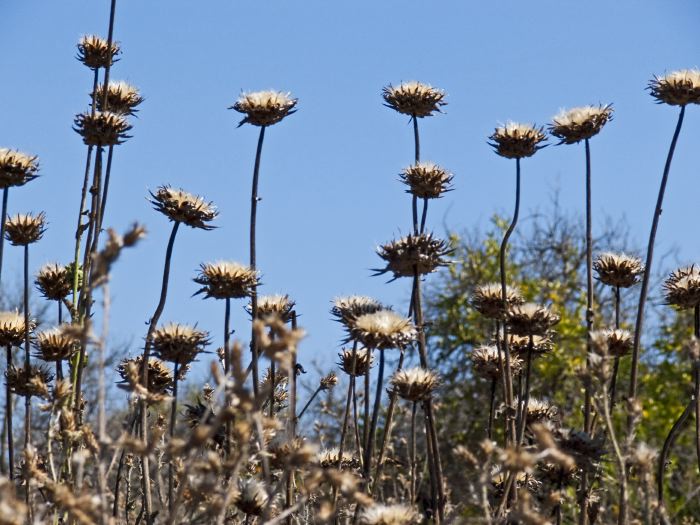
[[415, 384], [12, 328], [499, 477], [179, 343], [348, 309], [682, 287], [539, 410], [17, 168], [264, 108], [677, 88], [577, 124], [227, 280], [328, 458], [328, 381], [426, 180], [531, 319], [57, 343], [95, 52], [252, 497], [389, 515], [520, 344], [414, 254], [160, 378], [414, 98], [122, 98], [24, 228], [618, 269], [619, 341], [297, 452], [383, 329], [515, 141], [584, 448], [279, 305], [487, 363], [362, 358], [103, 128], [180, 206], [27, 384], [55, 281], [487, 299]]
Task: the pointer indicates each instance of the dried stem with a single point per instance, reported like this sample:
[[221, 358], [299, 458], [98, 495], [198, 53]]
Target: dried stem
[[8, 416], [173, 419], [668, 443]]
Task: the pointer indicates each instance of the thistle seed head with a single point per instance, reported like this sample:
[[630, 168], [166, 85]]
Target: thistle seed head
[[226, 280], [179, 343], [180, 206], [678, 88], [414, 98], [57, 344], [618, 269], [55, 281], [347, 309], [104, 128], [682, 287], [426, 180], [515, 140], [577, 124], [122, 98], [383, 330], [160, 378], [520, 344], [415, 384], [531, 319], [389, 515], [487, 299], [17, 168], [363, 361], [619, 341], [414, 254], [539, 410], [487, 364], [24, 228], [278, 305], [328, 381], [328, 458], [27, 384], [264, 108], [95, 52], [12, 328], [252, 497]]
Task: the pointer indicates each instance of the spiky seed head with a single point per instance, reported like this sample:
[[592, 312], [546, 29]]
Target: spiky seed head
[[297, 452], [682, 287], [347, 309], [515, 140], [328, 458], [583, 447], [531, 319], [265, 108], [421, 254], [382, 330], [576, 124], [29, 384], [17, 168], [520, 344], [179, 343], [95, 52], [539, 410], [279, 305], [180, 206], [12, 328], [55, 281], [487, 299], [426, 180], [122, 98], [415, 384], [389, 515], [487, 363], [252, 497], [24, 228], [619, 341], [414, 98], [57, 344], [103, 128], [363, 361], [226, 280], [160, 378], [618, 269], [677, 88], [328, 381]]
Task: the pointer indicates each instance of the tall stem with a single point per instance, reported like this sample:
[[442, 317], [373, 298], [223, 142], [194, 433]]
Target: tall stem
[[526, 396], [616, 365], [5, 193], [369, 451], [291, 420], [696, 376], [668, 443], [173, 417], [412, 445], [424, 216], [105, 189], [589, 284], [492, 406], [27, 364], [416, 141], [8, 415]]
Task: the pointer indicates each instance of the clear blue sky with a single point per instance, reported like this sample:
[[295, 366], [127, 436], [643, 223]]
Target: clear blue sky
[[329, 172]]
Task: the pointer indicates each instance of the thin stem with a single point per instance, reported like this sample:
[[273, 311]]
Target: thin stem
[[5, 194], [346, 414], [416, 138], [173, 418], [668, 443], [27, 364], [105, 189], [355, 417], [589, 284], [424, 217], [696, 376], [8, 415], [492, 407], [412, 463], [308, 403], [375, 416], [291, 419], [365, 425], [616, 364]]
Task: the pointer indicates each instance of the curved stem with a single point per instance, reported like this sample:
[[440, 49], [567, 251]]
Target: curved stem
[[670, 440]]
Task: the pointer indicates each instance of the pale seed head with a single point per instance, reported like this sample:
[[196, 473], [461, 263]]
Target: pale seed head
[[17, 168], [27, 384], [426, 180], [414, 98], [619, 342], [515, 140], [328, 381], [415, 384], [582, 123], [226, 280], [382, 330], [520, 345], [414, 254], [24, 228], [348, 309], [278, 305], [264, 108], [160, 378], [252, 497], [57, 344], [95, 52], [55, 281], [363, 361], [531, 319], [487, 299], [180, 206], [122, 98], [389, 515], [328, 458], [678, 88], [487, 364], [682, 287], [179, 343], [539, 410], [618, 269], [103, 128], [12, 328]]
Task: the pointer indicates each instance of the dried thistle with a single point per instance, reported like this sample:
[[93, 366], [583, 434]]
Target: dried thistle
[[515, 140], [252, 497], [582, 123], [328, 381], [160, 378], [487, 364], [539, 410], [57, 343], [227, 280], [12, 328], [103, 128], [347, 309], [122, 98], [28, 384], [520, 345], [180, 206], [55, 281], [584, 448], [24, 228], [414, 254], [279, 305], [389, 515], [296, 453], [619, 342], [414, 98], [179, 343], [328, 458], [682, 287], [677, 88], [487, 299], [415, 384], [382, 330], [363, 361], [426, 180], [17, 168], [95, 52], [531, 319], [264, 108], [618, 269]]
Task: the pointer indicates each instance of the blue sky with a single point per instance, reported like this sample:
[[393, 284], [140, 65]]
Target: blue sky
[[329, 172]]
